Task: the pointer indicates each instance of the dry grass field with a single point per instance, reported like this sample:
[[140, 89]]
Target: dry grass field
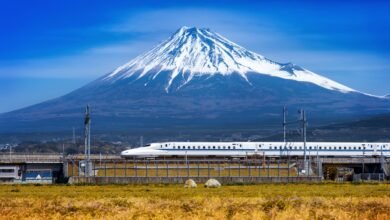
[[277, 201]]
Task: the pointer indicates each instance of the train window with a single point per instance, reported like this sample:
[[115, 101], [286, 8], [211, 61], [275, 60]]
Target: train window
[[345, 148], [354, 148], [229, 147], [174, 147], [360, 148], [198, 147], [208, 147], [320, 148], [234, 147], [178, 147], [193, 147], [339, 148], [166, 145], [224, 147], [300, 148], [204, 147], [290, 147], [219, 147], [213, 147], [240, 145], [275, 148], [309, 148]]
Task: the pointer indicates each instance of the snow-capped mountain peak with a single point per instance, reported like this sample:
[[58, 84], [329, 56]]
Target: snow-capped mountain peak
[[197, 51]]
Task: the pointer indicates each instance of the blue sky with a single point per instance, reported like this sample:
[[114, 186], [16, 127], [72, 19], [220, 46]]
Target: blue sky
[[49, 48]]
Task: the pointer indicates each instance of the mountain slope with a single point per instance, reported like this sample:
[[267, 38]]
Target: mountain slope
[[193, 52], [197, 79]]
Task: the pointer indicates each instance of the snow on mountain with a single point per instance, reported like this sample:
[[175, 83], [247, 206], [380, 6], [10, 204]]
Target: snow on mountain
[[195, 52], [196, 81]]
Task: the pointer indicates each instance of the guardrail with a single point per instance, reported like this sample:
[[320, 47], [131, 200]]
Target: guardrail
[[350, 160], [56, 158]]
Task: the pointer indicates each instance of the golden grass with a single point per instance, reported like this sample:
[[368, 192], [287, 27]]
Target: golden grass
[[291, 201]]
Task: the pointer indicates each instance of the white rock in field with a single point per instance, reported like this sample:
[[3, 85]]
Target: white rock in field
[[190, 183], [212, 183]]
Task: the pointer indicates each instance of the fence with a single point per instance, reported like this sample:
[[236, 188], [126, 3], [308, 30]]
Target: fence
[[369, 177], [265, 167]]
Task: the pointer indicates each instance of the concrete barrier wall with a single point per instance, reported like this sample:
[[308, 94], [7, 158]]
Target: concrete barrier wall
[[158, 180]]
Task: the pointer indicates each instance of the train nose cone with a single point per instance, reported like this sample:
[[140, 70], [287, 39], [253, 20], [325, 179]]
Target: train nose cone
[[129, 152]]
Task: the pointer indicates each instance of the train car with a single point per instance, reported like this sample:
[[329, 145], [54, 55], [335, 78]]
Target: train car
[[245, 149]]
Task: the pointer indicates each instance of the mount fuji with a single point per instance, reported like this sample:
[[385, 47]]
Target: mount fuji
[[198, 79]]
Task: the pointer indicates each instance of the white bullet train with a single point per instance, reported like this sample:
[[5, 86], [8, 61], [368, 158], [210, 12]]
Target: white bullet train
[[244, 149]]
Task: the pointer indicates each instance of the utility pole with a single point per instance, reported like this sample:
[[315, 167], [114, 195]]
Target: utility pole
[[10, 153], [74, 136], [364, 148], [63, 151], [302, 119], [304, 124], [87, 140], [284, 125]]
